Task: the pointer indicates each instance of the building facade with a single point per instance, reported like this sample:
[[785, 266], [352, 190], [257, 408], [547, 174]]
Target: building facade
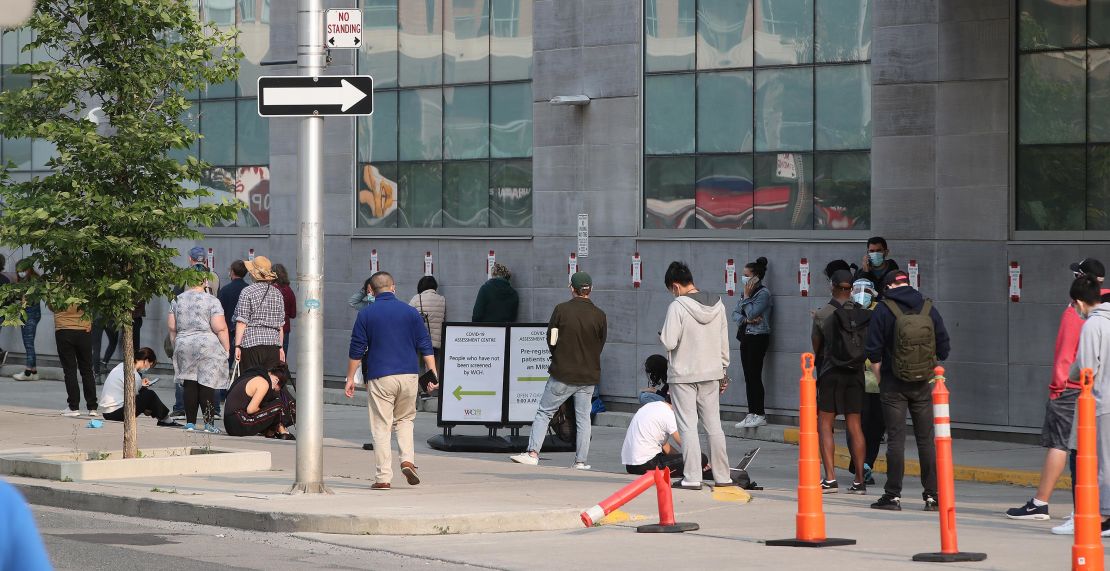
[[968, 134]]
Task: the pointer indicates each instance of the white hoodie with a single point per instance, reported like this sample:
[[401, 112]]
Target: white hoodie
[[695, 334]]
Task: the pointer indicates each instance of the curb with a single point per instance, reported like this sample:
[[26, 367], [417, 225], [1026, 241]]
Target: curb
[[270, 521]]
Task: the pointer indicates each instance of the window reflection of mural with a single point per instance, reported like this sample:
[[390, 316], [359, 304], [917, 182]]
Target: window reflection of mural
[[377, 198], [249, 185]]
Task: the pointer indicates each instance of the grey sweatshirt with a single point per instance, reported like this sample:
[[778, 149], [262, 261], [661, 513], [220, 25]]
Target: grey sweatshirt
[[695, 334], [1093, 353]]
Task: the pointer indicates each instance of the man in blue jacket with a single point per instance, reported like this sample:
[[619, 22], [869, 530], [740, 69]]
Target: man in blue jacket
[[900, 394], [388, 340]]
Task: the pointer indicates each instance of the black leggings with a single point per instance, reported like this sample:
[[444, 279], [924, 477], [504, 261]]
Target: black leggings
[[672, 461], [874, 428], [146, 402], [752, 353], [196, 393]]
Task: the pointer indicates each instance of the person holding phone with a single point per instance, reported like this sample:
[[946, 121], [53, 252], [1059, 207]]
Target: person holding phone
[[146, 402]]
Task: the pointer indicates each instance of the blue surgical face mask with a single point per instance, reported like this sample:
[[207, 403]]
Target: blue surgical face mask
[[862, 298], [744, 280], [876, 258]]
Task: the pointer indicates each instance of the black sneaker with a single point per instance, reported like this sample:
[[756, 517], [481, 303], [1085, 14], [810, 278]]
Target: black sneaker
[[829, 486], [1028, 511], [858, 489], [888, 502], [168, 423], [1105, 528], [931, 504]]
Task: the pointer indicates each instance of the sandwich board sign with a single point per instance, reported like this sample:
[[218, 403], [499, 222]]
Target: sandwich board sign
[[473, 377]]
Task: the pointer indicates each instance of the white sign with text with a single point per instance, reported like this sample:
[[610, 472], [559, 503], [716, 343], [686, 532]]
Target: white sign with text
[[473, 373], [529, 357]]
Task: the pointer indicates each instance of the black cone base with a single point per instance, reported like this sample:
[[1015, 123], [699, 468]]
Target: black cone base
[[949, 557], [368, 446], [660, 528], [827, 542]]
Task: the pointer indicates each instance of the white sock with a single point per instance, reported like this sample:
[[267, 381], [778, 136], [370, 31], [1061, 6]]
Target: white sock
[[1039, 503]]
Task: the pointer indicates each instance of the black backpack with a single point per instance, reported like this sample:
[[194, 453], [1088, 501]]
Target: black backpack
[[848, 328]]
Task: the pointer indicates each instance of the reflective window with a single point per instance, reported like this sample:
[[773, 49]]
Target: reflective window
[[511, 42], [511, 120], [1051, 97], [510, 194], [377, 195], [377, 134], [466, 122], [421, 124], [1098, 187], [421, 42], [1051, 188], [252, 137], [217, 127], [420, 191], [1046, 24], [378, 54], [1098, 96], [731, 129], [466, 194], [466, 41]]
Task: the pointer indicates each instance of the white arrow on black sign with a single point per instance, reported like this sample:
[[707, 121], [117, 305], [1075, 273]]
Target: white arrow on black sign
[[324, 95]]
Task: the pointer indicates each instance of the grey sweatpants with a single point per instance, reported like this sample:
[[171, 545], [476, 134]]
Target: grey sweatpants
[[700, 400], [1102, 428]]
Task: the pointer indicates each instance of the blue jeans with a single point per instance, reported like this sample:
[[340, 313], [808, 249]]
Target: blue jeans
[[554, 395], [646, 397], [29, 329], [178, 396]]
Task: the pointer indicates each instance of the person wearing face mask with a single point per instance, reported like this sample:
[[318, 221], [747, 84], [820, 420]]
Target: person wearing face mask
[[877, 262], [1094, 350], [146, 402], [753, 317], [874, 427]]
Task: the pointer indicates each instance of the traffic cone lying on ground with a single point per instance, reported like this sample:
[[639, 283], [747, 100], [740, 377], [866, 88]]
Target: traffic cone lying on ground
[[946, 481], [810, 520], [1086, 552], [592, 516]]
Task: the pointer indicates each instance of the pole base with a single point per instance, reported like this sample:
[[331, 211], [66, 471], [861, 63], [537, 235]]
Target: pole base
[[957, 557], [674, 528], [309, 488], [827, 542], [368, 446]]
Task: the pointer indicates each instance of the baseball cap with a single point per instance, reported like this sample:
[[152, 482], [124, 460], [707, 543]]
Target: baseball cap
[[897, 277], [1089, 266], [197, 253], [581, 280]]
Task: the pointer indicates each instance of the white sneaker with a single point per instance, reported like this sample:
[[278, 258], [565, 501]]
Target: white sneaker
[[744, 423], [1066, 528], [525, 458], [581, 466], [93, 414], [757, 421], [25, 376], [70, 413]]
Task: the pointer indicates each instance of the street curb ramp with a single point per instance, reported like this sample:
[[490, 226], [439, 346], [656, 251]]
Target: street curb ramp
[[270, 521]]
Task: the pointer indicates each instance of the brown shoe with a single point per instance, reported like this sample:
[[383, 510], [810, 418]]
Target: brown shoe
[[409, 470], [380, 486]]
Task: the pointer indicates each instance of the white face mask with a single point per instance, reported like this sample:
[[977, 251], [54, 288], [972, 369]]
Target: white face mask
[[744, 280]]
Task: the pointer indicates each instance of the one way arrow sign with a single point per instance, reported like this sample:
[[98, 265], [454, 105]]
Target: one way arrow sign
[[285, 96]]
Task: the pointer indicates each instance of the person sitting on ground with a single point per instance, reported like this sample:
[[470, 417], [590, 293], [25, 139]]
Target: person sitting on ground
[[146, 402], [646, 444], [655, 367], [257, 403]]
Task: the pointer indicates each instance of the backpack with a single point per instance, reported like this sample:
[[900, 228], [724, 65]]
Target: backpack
[[849, 336], [915, 343]]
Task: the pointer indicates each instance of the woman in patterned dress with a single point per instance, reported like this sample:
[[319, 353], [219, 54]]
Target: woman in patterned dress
[[199, 336]]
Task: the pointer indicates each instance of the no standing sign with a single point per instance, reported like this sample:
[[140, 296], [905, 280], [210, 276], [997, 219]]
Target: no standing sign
[[344, 28]]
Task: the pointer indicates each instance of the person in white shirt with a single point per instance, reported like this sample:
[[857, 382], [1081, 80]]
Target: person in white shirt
[[146, 402], [646, 444]]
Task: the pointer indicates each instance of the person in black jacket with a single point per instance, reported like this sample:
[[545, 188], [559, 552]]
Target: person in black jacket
[[497, 301], [877, 261], [898, 395]]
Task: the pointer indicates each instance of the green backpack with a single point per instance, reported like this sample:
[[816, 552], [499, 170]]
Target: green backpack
[[915, 343]]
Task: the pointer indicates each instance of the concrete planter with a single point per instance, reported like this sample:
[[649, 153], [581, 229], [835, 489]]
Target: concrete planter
[[88, 466]]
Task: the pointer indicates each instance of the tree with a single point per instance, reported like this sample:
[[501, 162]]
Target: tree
[[98, 226]]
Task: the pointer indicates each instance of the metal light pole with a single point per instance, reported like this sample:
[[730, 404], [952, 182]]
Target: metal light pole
[[310, 265]]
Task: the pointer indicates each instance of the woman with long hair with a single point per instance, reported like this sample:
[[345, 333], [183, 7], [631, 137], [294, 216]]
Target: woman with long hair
[[753, 316]]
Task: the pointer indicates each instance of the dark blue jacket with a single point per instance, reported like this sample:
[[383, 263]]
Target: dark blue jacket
[[880, 334], [389, 337], [229, 298]]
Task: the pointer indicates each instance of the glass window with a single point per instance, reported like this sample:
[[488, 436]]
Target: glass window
[[1098, 96], [511, 120], [783, 32], [217, 126], [1051, 187], [510, 194], [669, 42], [377, 56], [724, 192], [784, 109], [421, 124], [254, 42], [1100, 22], [465, 122], [420, 191], [844, 107], [1052, 24], [1098, 187], [668, 192], [842, 184], [41, 152], [252, 135], [669, 106], [18, 151], [511, 41], [725, 112], [466, 41], [724, 33], [191, 119], [784, 191], [843, 30], [377, 195], [421, 42], [377, 134], [466, 194], [1051, 97]]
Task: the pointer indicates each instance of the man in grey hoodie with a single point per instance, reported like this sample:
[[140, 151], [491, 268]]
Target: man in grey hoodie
[[695, 334], [1094, 349]]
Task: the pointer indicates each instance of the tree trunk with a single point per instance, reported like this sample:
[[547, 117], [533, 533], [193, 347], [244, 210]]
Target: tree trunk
[[130, 435]]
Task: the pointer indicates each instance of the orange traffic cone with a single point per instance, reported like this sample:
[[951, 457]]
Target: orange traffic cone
[[666, 508], [593, 515], [1086, 552], [946, 480], [810, 520]]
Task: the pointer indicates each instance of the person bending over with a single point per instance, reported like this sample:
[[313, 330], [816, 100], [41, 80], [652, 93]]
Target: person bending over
[[146, 402], [655, 367], [646, 445], [257, 403]]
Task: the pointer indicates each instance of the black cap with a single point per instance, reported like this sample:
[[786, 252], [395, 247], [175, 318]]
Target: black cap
[[895, 277], [841, 277], [1091, 267]]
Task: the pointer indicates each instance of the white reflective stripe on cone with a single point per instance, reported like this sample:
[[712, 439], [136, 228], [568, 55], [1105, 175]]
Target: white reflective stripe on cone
[[944, 430], [940, 410], [595, 514]]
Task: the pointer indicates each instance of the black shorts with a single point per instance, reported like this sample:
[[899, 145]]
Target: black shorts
[[840, 392], [1059, 414]]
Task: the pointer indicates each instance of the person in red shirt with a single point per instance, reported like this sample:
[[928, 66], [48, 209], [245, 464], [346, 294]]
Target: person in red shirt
[[290, 300], [1060, 409]]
